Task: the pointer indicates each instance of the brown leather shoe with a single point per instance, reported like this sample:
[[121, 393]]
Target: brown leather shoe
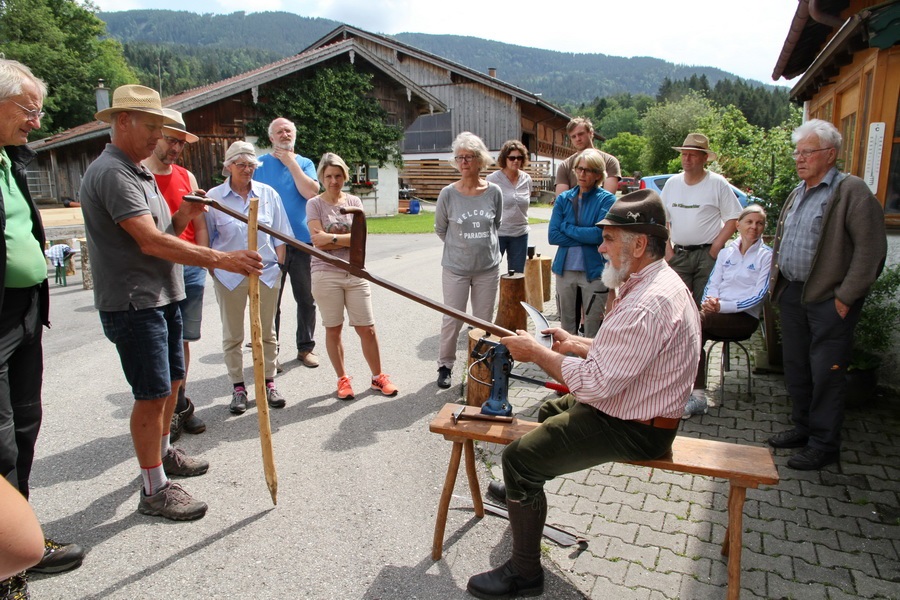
[[309, 359]]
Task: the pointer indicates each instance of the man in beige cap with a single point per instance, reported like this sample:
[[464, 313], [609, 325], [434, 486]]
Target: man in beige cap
[[174, 182], [702, 212], [628, 385], [136, 257]]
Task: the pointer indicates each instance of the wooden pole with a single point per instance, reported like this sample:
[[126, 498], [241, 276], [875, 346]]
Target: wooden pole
[[546, 273], [259, 369]]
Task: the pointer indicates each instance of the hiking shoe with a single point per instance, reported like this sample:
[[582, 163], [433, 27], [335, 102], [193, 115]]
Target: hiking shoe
[[238, 404], [308, 358], [194, 424], [383, 384], [792, 438], [172, 502], [345, 392], [14, 588], [58, 558], [177, 463], [274, 397], [444, 377], [696, 405], [176, 427]]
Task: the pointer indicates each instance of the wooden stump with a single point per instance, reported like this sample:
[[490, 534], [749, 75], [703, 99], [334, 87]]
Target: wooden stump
[[534, 286], [510, 314], [476, 393], [546, 274], [87, 278]]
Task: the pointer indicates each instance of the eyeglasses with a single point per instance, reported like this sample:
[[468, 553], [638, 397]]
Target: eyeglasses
[[807, 153], [581, 170], [464, 159], [243, 166], [30, 114], [508, 158], [172, 141]]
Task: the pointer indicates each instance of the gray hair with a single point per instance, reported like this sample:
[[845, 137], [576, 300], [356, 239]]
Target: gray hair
[[592, 159], [656, 246], [13, 74], [250, 158], [752, 209], [330, 159], [472, 143], [827, 133], [291, 123]]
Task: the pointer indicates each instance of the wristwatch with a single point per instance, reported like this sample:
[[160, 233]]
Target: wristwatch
[[334, 239]]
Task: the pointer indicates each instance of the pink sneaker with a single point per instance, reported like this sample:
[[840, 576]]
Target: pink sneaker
[[345, 392], [383, 384]]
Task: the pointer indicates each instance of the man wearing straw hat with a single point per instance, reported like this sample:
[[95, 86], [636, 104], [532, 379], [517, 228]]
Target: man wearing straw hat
[[174, 182], [628, 385], [702, 212], [136, 257]]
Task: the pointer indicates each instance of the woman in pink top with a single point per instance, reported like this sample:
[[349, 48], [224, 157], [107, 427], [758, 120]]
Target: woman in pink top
[[334, 289]]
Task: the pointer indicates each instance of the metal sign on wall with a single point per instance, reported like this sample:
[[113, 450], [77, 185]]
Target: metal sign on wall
[[874, 148]]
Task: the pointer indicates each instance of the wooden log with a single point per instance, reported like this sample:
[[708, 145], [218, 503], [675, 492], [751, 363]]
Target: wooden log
[[510, 314], [477, 393], [546, 274], [534, 286]]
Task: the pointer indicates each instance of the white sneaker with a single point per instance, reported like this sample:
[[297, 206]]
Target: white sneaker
[[696, 404]]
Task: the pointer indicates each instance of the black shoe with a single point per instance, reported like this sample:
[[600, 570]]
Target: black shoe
[[444, 377], [14, 588], [497, 491], [503, 582], [194, 425], [813, 459], [59, 557], [179, 418], [792, 438]]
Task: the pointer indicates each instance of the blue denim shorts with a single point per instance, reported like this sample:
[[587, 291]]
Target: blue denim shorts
[[192, 306], [150, 348]]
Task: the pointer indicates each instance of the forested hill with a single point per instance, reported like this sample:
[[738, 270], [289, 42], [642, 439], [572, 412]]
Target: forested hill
[[219, 46]]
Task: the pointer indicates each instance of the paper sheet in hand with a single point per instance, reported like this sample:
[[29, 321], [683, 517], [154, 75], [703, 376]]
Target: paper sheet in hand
[[540, 324]]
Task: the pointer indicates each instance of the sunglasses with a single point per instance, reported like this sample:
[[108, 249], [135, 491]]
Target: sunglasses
[[515, 158]]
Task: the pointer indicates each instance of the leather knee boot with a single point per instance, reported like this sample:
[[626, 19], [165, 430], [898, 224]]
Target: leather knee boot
[[522, 574]]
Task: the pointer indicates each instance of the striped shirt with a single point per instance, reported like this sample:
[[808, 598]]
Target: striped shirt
[[643, 360], [740, 281]]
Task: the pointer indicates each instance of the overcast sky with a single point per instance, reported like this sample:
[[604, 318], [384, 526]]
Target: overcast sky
[[738, 37]]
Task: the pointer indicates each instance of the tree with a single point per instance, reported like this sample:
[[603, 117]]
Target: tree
[[334, 111], [628, 148], [666, 125], [62, 42]]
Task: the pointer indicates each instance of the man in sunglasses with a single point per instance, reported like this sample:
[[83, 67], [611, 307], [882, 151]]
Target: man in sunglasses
[[174, 182]]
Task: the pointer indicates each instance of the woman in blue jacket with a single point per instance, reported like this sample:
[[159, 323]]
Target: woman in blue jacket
[[578, 265]]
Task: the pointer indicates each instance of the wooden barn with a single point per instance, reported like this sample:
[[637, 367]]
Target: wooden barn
[[432, 98], [848, 54]]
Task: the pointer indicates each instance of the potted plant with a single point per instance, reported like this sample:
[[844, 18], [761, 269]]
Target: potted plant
[[878, 324]]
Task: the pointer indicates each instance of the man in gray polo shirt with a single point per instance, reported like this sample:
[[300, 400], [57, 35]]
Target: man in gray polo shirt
[[138, 283]]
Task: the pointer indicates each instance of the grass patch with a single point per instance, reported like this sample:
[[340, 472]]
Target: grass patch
[[420, 223]]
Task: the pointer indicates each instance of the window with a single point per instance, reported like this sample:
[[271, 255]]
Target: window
[[429, 133]]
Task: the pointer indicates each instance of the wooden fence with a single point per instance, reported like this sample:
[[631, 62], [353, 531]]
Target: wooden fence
[[429, 177]]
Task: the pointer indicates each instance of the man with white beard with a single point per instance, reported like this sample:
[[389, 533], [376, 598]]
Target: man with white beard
[[629, 385], [294, 178]]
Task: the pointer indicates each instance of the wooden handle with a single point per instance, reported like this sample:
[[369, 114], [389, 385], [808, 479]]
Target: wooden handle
[[358, 232], [259, 368]]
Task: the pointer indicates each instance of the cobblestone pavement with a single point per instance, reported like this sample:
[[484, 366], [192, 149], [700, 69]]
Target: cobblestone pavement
[[832, 534]]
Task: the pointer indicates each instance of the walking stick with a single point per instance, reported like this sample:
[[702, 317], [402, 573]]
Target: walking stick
[[259, 370]]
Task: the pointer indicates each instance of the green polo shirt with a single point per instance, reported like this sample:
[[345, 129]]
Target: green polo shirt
[[25, 263]]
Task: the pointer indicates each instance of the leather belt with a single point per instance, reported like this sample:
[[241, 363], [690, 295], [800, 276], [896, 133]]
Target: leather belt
[[680, 248], [661, 422]]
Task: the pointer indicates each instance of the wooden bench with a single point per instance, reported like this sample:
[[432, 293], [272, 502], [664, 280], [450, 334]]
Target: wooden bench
[[743, 466]]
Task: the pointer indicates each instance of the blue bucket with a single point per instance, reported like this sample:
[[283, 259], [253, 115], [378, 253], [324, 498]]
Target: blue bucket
[[414, 207]]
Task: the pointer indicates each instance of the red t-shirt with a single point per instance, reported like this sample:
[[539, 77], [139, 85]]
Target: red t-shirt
[[173, 187]]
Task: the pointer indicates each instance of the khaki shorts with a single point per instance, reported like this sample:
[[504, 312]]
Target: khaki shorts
[[334, 290]]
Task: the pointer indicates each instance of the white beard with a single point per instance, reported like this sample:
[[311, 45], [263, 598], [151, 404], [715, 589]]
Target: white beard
[[613, 277], [283, 146]]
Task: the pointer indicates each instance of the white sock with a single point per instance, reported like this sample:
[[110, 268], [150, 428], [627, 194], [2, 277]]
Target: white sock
[[154, 479], [164, 446]]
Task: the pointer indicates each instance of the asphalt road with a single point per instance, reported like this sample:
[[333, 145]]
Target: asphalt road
[[358, 482]]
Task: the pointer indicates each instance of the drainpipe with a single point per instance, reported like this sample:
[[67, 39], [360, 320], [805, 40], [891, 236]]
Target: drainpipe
[[817, 13]]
